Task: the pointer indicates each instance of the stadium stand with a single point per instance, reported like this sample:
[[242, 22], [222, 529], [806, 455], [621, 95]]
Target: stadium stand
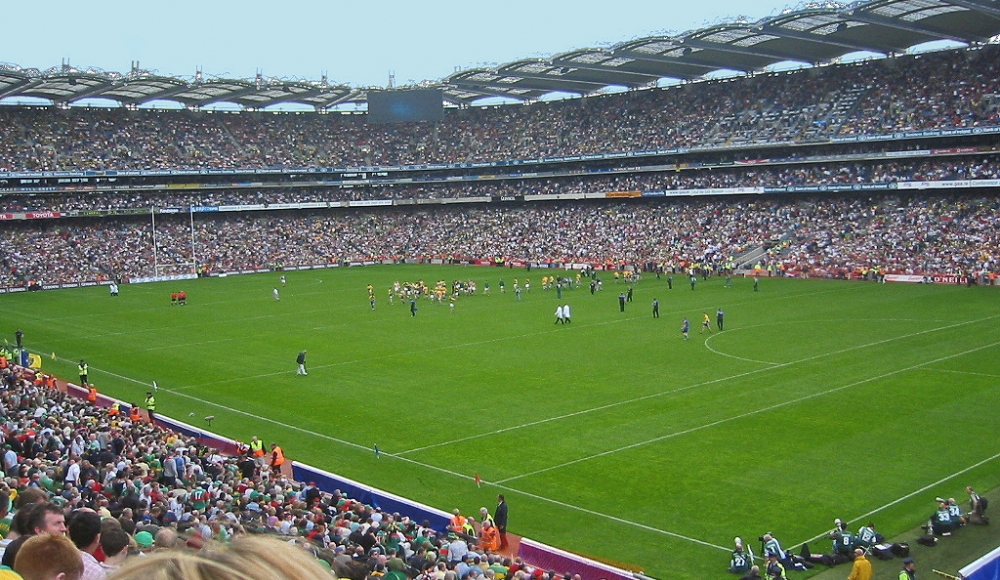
[[84, 456], [809, 236], [913, 123], [926, 91], [861, 141]]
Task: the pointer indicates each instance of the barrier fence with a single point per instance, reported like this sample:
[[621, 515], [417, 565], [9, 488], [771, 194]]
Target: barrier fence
[[534, 553]]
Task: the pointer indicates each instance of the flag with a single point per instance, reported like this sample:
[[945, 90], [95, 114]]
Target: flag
[[378, 454], [479, 481]]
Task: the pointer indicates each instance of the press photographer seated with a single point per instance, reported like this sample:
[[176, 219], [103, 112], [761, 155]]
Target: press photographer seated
[[843, 539], [942, 522]]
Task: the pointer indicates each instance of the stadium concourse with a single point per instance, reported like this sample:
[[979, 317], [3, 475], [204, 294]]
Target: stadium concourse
[[170, 491]]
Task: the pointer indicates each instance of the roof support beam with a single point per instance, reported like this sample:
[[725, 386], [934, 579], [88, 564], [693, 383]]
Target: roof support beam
[[616, 77], [20, 87], [555, 79], [337, 100], [696, 69], [745, 51], [94, 90], [838, 42], [485, 92], [229, 97], [536, 82], [863, 16], [166, 94], [985, 7]]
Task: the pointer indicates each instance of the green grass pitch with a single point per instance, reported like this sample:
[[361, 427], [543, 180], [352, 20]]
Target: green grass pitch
[[611, 436]]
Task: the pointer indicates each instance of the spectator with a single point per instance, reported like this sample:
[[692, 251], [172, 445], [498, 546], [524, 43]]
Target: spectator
[[48, 556], [85, 532]]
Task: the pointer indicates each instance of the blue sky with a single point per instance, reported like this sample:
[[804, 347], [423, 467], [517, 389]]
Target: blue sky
[[355, 43]]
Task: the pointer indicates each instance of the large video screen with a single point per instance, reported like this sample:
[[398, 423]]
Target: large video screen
[[405, 106]]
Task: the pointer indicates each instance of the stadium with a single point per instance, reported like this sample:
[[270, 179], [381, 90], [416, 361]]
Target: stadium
[[828, 233]]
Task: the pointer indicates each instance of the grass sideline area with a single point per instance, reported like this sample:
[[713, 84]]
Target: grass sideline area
[[950, 555], [611, 436]]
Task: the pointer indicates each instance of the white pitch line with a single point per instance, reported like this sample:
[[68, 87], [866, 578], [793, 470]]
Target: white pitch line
[[744, 359], [499, 484], [608, 516], [766, 362], [742, 415], [964, 373], [908, 496], [437, 468], [702, 384], [407, 353]]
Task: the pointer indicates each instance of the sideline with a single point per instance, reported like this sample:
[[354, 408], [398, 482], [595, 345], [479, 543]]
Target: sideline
[[440, 469], [907, 496]]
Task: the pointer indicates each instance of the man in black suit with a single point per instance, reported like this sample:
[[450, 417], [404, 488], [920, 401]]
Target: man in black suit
[[500, 519]]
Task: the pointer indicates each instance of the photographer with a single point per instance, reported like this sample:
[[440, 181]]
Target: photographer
[[977, 507], [955, 511], [772, 546], [941, 523], [843, 539], [741, 558], [867, 536]]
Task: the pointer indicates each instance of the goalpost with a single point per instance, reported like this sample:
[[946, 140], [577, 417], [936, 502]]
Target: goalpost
[[175, 267]]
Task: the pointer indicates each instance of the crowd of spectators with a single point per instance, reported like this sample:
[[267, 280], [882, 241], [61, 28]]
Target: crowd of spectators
[[935, 90], [123, 488], [815, 174], [807, 235]]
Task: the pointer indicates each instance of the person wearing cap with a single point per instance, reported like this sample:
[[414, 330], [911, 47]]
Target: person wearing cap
[[741, 558], [862, 568], [775, 571], [144, 542], [907, 573], [464, 565]]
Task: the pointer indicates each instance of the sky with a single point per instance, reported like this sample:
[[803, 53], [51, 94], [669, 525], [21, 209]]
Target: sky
[[354, 43]]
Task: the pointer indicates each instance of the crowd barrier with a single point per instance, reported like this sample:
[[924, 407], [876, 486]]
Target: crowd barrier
[[534, 553], [985, 568]]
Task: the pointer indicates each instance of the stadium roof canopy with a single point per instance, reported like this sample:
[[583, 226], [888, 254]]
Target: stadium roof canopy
[[815, 34]]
